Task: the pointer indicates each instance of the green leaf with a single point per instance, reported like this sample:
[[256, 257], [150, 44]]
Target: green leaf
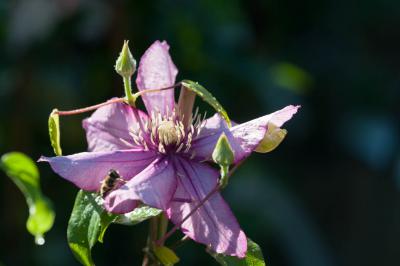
[[138, 215], [207, 97], [24, 173], [165, 255], [87, 225], [273, 137], [254, 257], [54, 132], [106, 220]]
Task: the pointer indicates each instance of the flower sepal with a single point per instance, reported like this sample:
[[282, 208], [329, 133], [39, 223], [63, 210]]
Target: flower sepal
[[273, 137]]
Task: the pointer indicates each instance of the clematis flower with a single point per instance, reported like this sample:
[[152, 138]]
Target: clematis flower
[[165, 164]]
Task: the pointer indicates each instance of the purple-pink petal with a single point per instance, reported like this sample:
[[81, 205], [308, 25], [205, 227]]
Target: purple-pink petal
[[244, 138], [156, 70], [213, 224], [87, 169], [154, 186], [107, 129], [204, 144], [248, 135]]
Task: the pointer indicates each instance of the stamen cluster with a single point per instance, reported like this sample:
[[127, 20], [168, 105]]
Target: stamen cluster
[[166, 133]]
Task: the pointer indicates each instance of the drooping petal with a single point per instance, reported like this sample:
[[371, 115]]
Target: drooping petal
[[107, 129], [244, 138], [154, 186], [156, 70], [87, 169], [213, 224]]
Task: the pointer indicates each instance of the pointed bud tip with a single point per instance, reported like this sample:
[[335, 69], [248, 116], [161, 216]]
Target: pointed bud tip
[[125, 64], [223, 153]]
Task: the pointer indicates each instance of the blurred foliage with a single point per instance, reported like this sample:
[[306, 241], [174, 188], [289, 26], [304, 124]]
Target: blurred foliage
[[329, 195], [24, 173]]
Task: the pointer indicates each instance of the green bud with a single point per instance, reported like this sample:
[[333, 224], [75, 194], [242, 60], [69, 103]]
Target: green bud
[[125, 64], [223, 154]]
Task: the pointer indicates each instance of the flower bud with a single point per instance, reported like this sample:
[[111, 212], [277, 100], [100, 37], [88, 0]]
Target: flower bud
[[125, 64], [223, 154]]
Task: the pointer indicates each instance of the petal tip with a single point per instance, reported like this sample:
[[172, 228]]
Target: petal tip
[[43, 159], [163, 44], [242, 245]]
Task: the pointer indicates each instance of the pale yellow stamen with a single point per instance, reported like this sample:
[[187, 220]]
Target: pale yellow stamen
[[167, 132]]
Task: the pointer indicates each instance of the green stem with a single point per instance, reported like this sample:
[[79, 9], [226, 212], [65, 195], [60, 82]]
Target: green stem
[[162, 226], [158, 227], [148, 259], [128, 91], [90, 108], [180, 242]]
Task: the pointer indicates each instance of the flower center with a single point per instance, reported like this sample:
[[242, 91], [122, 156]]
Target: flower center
[[168, 133]]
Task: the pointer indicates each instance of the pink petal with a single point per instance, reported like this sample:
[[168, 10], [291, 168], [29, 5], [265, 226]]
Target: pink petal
[[156, 70], [88, 169], [108, 127], [124, 205], [204, 144], [213, 224], [244, 138], [154, 186], [248, 135]]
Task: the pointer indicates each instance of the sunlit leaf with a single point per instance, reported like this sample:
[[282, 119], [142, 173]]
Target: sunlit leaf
[[207, 97], [138, 215], [273, 137], [165, 255], [254, 257], [86, 226], [54, 132], [24, 173]]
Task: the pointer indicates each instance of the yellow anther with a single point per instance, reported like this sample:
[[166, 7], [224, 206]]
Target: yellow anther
[[167, 132]]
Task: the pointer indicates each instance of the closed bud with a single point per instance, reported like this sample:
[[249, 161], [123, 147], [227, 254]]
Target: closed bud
[[125, 64], [223, 154]]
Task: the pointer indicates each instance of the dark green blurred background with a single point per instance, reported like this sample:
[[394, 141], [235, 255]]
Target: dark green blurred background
[[328, 196]]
